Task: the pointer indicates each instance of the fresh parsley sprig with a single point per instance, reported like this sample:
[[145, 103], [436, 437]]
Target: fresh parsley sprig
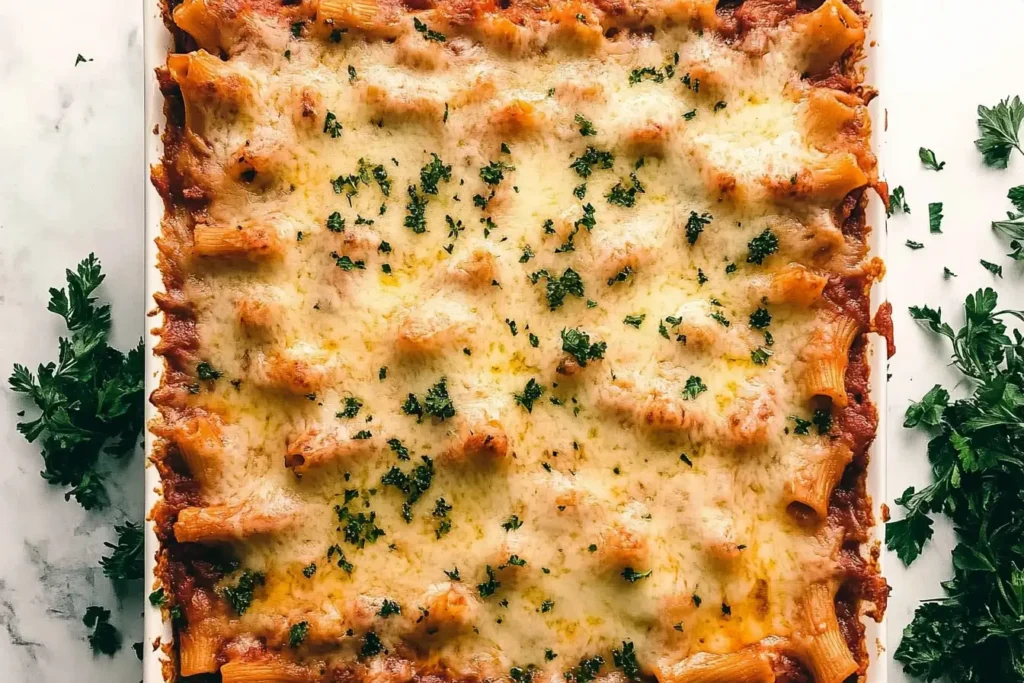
[[1000, 131], [90, 400], [975, 632]]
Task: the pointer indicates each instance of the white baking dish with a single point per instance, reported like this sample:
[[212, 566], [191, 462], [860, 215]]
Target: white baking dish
[[157, 44]]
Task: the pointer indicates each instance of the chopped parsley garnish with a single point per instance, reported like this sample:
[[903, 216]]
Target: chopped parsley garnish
[[947, 273], [587, 670], [433, 173], [437, 403], [625, 659], [547, 606], [158, 598], [992, 268], [297, 633], [690, 115], [625, 196], [413, 484], [935, 217], [426, 32], [719, 106], [695, 225], [488, 587], [911, 244], [701, 277], [346, 263], [586, 127], [206, 372], [411, 406], [362, 435], [531, 392], [416, 219], [577, 344], [549, 654], [635, 320], [527, 254], [335, 223], [455, 228], [558, 287], [928, 159], [494, 172], [332, 126], [801, 426], [343, 563], [358, 529], [372, 646], [694, 388], [584, 164], [513, 328], [512, 523], [632, 576], [309, 570], [352, 406], [760, 318], [649, 73], [822, 419], [762, 246], [441, 510], [240, 595], [389, 608], [620, 276], [719, 318], [453, 575], [534, 340], [897, 202]]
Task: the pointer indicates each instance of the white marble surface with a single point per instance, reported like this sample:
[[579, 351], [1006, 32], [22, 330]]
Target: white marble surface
[[71, 182]]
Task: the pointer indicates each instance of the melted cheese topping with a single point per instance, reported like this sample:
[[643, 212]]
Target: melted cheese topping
[[627, 507]]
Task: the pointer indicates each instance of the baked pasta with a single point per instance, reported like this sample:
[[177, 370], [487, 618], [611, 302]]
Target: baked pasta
[[515, 341]]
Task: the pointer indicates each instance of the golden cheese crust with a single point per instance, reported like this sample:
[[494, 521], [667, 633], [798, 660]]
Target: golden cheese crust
[[516, 341]]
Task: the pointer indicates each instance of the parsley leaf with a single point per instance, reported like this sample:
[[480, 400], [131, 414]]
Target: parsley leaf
[[105, 638], [577, 344], [488, 587], [911, 244], [993, 268], [1000, 128], [240, 595], [414, 484], [125, 562], [625, 659], [928, 159], [437, 402], [531, 392], [694, 388], [586, 127], [426, 32], [560, 286], [762, 246], [695, 225], [297, 633], [935, 217], [634, 320], [591, 158], [897, 202]]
